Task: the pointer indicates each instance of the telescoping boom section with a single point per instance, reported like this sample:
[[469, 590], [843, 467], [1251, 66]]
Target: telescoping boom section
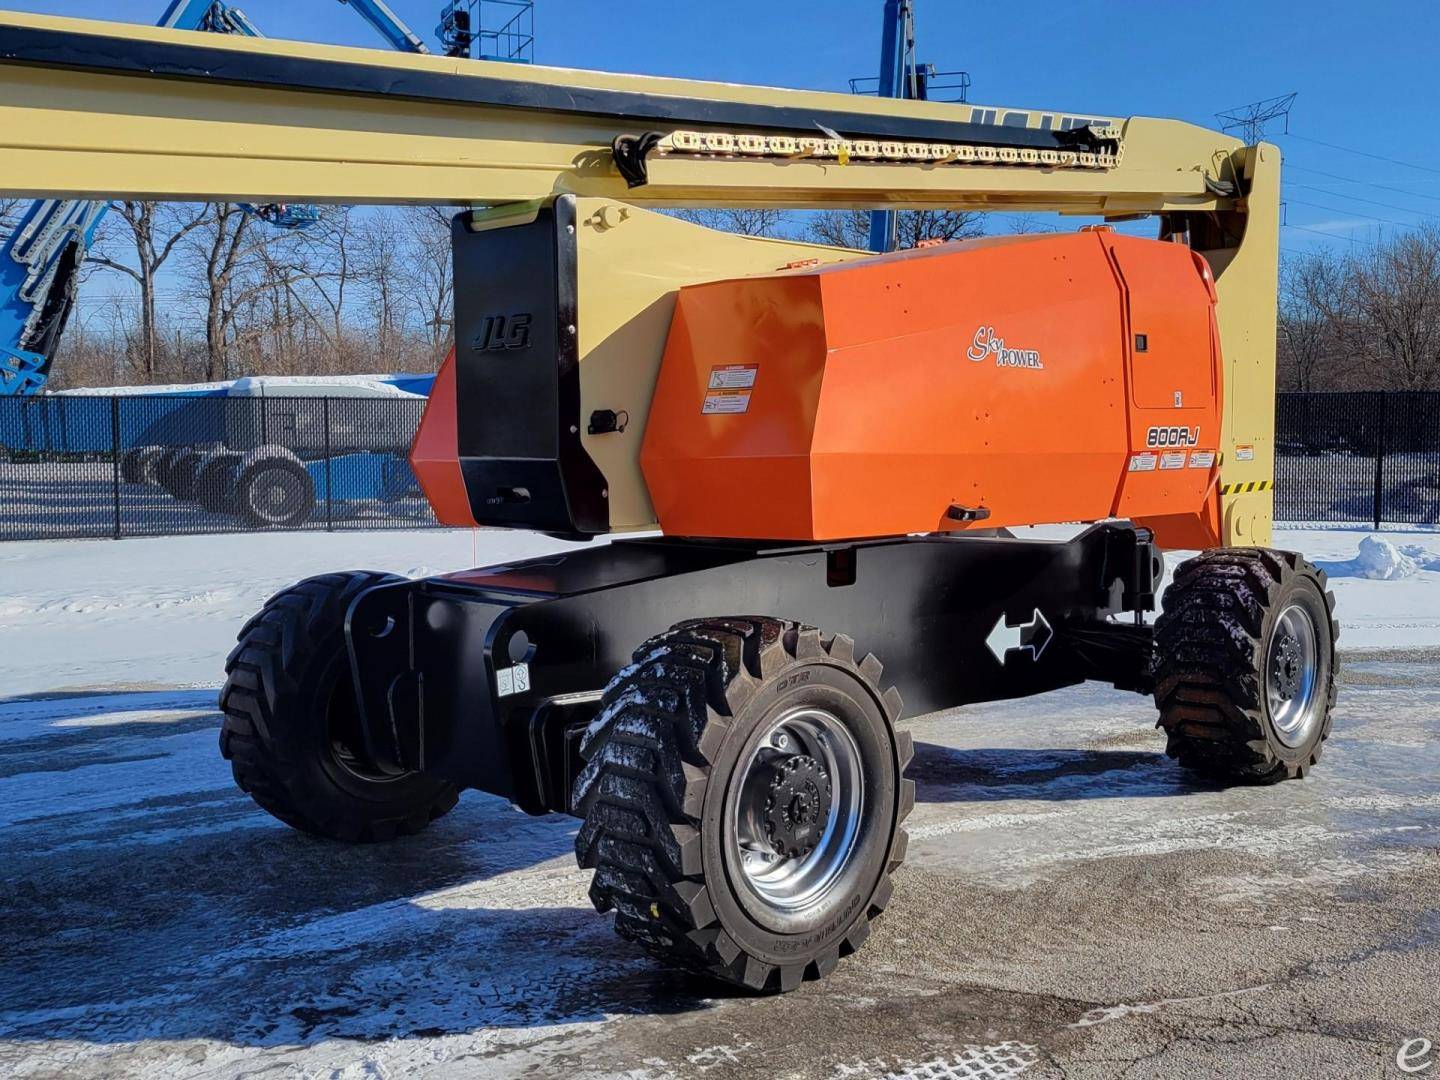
[[830, 452]]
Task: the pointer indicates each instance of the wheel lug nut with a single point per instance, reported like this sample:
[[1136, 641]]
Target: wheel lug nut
[[781, 741]]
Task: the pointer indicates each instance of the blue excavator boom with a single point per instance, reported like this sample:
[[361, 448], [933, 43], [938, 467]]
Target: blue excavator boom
[[40, 261]]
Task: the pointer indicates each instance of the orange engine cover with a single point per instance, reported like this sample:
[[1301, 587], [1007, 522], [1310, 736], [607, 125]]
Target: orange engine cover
[[998, 382]]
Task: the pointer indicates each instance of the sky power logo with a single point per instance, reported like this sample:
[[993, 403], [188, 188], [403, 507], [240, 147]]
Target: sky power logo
[[986, 344]]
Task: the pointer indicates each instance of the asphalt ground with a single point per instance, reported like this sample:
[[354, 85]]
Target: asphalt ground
[[1073, 905]]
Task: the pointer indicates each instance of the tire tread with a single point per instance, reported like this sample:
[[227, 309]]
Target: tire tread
[[263, 674], [648, 757], [1209, 678]]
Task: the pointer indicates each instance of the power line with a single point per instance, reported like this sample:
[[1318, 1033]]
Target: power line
[[1361, 153], [1366, 183], [1353, 213], [1352, 180], [1356, 198], [1329, 236]]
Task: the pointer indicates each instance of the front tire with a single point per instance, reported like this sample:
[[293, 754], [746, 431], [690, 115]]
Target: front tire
[[1245, 665], [743, 798], [292, 730]]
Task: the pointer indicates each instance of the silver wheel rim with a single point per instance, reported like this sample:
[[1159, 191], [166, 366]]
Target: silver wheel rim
[[1292, 668], [792, 885]]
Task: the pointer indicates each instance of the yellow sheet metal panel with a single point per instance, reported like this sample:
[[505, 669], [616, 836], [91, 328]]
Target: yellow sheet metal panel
[[1246, 284], [630, 264]]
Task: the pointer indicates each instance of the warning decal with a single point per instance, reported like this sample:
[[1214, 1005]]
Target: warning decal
[[1245, 453], [1174, 459], [733, 376], [719, 402], [1202, 459], [1143, 462]]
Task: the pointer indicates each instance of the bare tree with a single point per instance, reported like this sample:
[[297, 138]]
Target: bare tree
[[851, 228], [252, 279], [150, 233], [224, 238], [1311, 294], [332, 245], [10, 211], [762, 221], [429, 277], [1022, 224], [381, 271], [1390, 316]]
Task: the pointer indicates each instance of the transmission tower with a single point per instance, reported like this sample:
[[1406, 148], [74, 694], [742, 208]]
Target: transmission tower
[[1251, 122]]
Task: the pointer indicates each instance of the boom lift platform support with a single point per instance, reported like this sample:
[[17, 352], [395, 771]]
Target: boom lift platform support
[[833, 445]]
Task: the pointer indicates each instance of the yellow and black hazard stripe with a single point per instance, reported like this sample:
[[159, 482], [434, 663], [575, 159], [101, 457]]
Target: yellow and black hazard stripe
[[1246, 488]]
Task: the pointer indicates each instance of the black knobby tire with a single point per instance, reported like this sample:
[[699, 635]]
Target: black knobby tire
[[215, 482], [273, 489], [130, 465], [291, 730], [145, 459], [163, 470], [663, 757], [184, 473], [1213, 646]]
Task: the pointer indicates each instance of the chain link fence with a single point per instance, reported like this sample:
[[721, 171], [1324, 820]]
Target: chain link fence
[[142, 465], [1370, 456], [158, 465]]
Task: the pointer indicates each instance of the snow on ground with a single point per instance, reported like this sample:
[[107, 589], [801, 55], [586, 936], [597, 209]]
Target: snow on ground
[[164, 611], [1386, 585]]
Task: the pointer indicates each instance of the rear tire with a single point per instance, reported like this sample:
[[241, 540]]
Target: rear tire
[[742, 800], [291, 731], [273, 489], [1245, 665]]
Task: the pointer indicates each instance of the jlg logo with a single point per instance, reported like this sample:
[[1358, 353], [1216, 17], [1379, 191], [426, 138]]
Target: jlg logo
[[503, 332], [1173, 436]]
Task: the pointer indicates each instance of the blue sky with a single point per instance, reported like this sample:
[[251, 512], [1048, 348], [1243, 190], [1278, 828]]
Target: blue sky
[[1365, 72]]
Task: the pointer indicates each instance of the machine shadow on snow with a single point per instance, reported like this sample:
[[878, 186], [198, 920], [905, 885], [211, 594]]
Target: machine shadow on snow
[[944, 774], [260, 936]]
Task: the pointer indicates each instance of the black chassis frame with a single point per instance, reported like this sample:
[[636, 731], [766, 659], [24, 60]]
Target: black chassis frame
[[430, 657]]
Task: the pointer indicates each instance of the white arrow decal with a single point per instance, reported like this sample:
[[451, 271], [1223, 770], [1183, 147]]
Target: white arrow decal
[[1033, 636]]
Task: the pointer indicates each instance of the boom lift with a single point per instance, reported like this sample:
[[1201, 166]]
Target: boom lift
[[40, 261], [834, 447]]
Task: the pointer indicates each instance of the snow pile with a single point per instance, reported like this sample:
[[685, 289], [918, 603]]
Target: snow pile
[[1380, 560]]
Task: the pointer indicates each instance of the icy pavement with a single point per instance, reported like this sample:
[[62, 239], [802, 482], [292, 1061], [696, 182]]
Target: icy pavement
[[1071, 904]]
